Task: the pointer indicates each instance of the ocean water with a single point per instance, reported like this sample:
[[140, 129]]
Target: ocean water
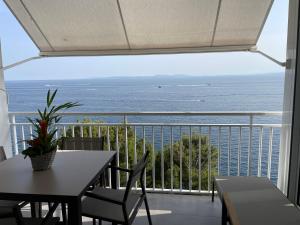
[[263, 92], [158, 93]]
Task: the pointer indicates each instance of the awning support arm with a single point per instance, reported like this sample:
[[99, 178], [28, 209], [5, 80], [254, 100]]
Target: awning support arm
[[283, 64], [253, 50], [20, 62]]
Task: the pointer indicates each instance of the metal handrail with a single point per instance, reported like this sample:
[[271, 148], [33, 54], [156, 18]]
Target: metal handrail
[[165, 124], [178, 113]]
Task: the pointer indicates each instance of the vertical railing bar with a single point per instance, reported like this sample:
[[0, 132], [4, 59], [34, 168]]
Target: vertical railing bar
[[229, 150], [14, 134], [180, 160], [249, 172], [171, 159], [73, 131], [31, 132], [270, 152], [153, 160], [108, 148], [90, 131], [99, 131], [108, 138], [199, 160], [23, 137], [81, 131], [239, 152], [135, 153], [118, 155], [209, 159], [219, 150], [162, 158], [190, 158], [260, 152], [126, 146], [144, 151]]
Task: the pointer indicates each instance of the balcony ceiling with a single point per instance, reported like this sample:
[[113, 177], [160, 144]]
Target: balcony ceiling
[[116, 27]]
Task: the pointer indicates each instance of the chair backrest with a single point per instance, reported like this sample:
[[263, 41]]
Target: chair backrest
[[2, 154], [137, 173], [82, 143]]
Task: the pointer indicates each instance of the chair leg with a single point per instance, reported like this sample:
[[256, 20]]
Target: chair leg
[[64, 213], [40, 205], [94, 221], [100, 222], [148, 211]]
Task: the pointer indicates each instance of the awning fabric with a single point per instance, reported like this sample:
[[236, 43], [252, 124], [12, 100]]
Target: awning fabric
[[109, 27]]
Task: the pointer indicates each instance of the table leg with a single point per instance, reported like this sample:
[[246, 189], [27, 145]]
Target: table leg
[[36, 209], [224, 213], [74, 212], [33, 209], [114, 173]]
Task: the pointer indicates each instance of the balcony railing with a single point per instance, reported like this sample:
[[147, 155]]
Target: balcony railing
[[187, 148]]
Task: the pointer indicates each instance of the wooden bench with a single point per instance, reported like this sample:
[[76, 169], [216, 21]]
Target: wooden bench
[[254, 201]]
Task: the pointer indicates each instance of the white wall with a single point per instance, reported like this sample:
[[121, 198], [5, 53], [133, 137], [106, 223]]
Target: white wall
[[5, 139]]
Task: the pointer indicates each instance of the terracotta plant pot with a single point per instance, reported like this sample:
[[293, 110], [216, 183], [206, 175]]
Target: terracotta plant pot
[[43, 162]]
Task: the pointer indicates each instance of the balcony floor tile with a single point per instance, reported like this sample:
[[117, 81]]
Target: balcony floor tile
[[169, 209]]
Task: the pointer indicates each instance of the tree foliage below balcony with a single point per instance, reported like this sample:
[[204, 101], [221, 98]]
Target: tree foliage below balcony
[[156, 158]]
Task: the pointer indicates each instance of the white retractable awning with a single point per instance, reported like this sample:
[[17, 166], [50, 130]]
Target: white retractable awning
[[110, 27]]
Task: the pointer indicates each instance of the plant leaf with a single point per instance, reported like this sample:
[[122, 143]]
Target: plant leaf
[[52, 97]]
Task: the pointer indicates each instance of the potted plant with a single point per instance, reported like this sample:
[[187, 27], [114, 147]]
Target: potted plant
[[43, 145]]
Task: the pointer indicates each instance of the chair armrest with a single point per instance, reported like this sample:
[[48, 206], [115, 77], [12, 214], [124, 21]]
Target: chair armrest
[[17, 205], [93, 195], [121, 169]]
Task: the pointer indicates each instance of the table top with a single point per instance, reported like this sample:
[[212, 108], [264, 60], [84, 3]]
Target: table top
[[69, 176]]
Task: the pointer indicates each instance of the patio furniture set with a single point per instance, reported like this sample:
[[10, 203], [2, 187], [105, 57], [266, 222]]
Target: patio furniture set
[[73, 183]]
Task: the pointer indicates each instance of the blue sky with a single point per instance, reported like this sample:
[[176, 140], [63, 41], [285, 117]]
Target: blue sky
[[16, 45]]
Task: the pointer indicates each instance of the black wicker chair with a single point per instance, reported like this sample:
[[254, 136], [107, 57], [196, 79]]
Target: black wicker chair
[[118, 206], [82, 143]]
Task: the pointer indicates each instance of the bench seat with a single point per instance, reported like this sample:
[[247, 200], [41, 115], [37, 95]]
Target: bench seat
[[254, 200]]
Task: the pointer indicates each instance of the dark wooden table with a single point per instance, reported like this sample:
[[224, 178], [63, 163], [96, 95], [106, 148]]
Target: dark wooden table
[[66, 182]]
